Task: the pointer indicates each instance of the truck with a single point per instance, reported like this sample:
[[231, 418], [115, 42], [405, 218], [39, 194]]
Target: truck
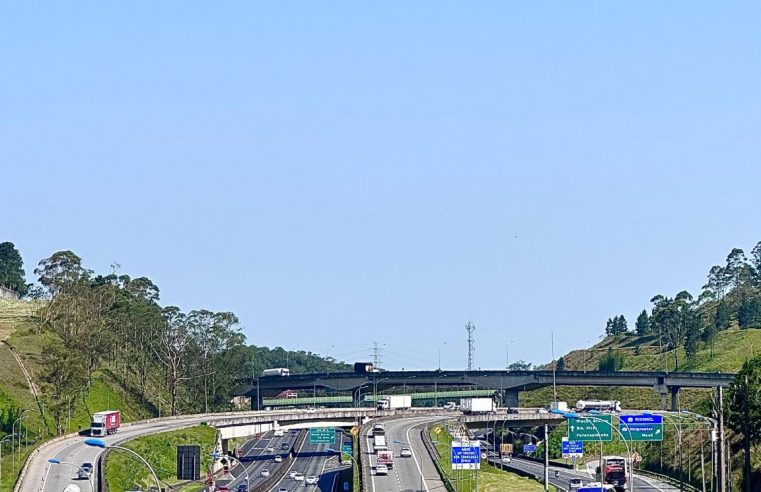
[[105, 423], [559, 405], [392, 402], [477, 405], [599, 405], [379, 443], [277, 371], [364, 367], [386, 457]]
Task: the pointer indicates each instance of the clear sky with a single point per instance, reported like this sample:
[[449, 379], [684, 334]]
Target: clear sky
[[338, 173]]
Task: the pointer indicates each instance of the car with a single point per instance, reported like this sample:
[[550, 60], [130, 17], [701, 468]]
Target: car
[[270, 450], [298, 476], [542, 410], [242, 487], [282, 489], [381, 470], [311, 480], [265, 473], [278, 433], [505, 459], [575, 483], [285, 445], [405, 453], [223, 488], [292, 474], [85, 470], [278, 458]]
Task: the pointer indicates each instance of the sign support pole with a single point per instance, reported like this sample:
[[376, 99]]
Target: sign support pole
[[546, 458]]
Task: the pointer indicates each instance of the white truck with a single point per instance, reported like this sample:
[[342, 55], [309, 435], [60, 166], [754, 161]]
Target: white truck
[[559, 405], [379, 443], [477, 405], [392, 402]]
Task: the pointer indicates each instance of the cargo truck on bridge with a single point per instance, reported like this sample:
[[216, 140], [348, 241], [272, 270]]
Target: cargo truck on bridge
[[392, 402], [477, 405], [105, 423]]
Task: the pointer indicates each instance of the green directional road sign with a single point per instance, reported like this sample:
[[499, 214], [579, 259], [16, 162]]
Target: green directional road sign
[[640, 432], [322, 435], [346, 448], [596, 428]]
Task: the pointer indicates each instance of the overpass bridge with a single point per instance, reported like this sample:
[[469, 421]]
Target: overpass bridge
[[508, 384]]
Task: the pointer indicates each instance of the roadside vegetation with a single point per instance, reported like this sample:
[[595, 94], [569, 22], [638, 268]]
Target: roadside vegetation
[[123, 472]]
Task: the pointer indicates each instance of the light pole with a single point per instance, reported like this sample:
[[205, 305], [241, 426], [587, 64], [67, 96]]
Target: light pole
[[443, 343], [54, 461], [100, 443], [9, 436], [507, 355], [714, 437], [21, 416], [404, 385]]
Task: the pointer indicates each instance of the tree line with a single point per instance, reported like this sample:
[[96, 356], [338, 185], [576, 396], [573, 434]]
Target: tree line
[[730, 297], [189, 361]]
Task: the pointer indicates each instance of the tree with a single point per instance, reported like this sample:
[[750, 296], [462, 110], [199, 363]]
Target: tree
[[616, 325], [671, 319], [691, 323], [172, 347], [12, 273], [642, 326], [520, 365], [744, 407], [610, 362], [755, 259], [61, 271], [560, 366], [64, 379], [723, 317], [749, 312]]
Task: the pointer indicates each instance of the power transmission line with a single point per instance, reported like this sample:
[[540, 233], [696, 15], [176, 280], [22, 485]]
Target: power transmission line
[[470, 328]]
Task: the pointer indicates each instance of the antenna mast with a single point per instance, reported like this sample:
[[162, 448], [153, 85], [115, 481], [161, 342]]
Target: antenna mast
[[470, 328]]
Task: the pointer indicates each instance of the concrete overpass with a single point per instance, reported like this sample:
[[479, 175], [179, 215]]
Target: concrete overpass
[[508, 384]]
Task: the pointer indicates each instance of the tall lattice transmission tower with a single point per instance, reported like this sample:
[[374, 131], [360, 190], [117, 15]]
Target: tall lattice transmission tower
[[377, 357], [470, 328]]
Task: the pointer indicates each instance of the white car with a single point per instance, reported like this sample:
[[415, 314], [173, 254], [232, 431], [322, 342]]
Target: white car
[[292, 474], [505, 459], [265, 473], [575, 483], [298, 476], [270, 450], [278, 458], [405, 453], [311, 480], [381, 470]]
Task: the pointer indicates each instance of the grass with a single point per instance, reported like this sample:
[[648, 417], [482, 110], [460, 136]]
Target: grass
[[490, 478], [123, 473]]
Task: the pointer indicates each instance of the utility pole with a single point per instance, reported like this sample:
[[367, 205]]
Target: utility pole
[[746, 437], [720, 470], [470, 328], [554, 366], [377, 357], [546, 458]]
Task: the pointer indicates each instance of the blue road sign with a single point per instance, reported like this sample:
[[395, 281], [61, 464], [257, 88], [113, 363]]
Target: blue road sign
[[572, 448], [640, 419], [466, 456], [529, 448]]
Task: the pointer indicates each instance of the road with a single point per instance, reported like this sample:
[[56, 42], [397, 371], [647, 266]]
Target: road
[[417, 473], [43, 476], [565, 474], [312, 460]]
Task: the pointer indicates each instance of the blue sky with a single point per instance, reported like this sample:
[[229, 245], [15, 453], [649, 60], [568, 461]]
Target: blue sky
[[343, 173]]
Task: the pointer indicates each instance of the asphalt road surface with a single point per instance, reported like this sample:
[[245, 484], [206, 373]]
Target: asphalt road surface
[[416, 473]]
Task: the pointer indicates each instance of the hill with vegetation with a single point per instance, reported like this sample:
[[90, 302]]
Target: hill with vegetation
[[81, 342]]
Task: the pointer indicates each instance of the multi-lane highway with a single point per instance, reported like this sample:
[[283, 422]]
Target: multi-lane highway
[[414, 473]]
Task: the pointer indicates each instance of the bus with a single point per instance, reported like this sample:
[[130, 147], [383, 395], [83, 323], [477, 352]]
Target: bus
[[615, 471], [277, 371]]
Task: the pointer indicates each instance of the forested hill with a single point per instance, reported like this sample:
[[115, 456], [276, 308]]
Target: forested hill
[[716, 329], [81, 341]]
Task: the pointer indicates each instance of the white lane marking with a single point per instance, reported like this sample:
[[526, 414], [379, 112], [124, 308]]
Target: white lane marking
[[419, 469]]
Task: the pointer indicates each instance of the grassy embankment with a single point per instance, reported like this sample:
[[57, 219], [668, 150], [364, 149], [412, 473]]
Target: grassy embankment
[[123, 472], [490, 478], [19, 331]]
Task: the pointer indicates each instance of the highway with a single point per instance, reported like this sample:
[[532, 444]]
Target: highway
[[311, 460], [416, 473], [565, 474]]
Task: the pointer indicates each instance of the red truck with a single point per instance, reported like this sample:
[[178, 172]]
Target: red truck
[[104, 423]]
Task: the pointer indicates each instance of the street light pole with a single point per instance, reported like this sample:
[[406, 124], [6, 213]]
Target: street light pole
[[100, 443], [9, 436]]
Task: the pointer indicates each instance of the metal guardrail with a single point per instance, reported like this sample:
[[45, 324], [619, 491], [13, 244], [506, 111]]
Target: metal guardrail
[[669, 480]]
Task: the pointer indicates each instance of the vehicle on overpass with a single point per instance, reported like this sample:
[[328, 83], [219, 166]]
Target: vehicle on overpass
[[599, 405], [277, 371], [365, 367], [477, 405], [614, 471], [392, 402]]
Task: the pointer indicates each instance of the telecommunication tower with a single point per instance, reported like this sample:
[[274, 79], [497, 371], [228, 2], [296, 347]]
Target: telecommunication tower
[[470, 328]]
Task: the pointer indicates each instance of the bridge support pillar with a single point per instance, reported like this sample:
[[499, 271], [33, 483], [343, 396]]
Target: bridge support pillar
[[674, 398], [510, 398], [225, 446]]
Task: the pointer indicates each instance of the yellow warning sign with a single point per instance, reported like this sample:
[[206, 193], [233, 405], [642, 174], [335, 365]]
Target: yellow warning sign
[[354, 431], [436, 430]]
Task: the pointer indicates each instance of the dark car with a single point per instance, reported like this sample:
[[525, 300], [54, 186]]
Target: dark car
[[242, 487], [285, 445], [85, 471]]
